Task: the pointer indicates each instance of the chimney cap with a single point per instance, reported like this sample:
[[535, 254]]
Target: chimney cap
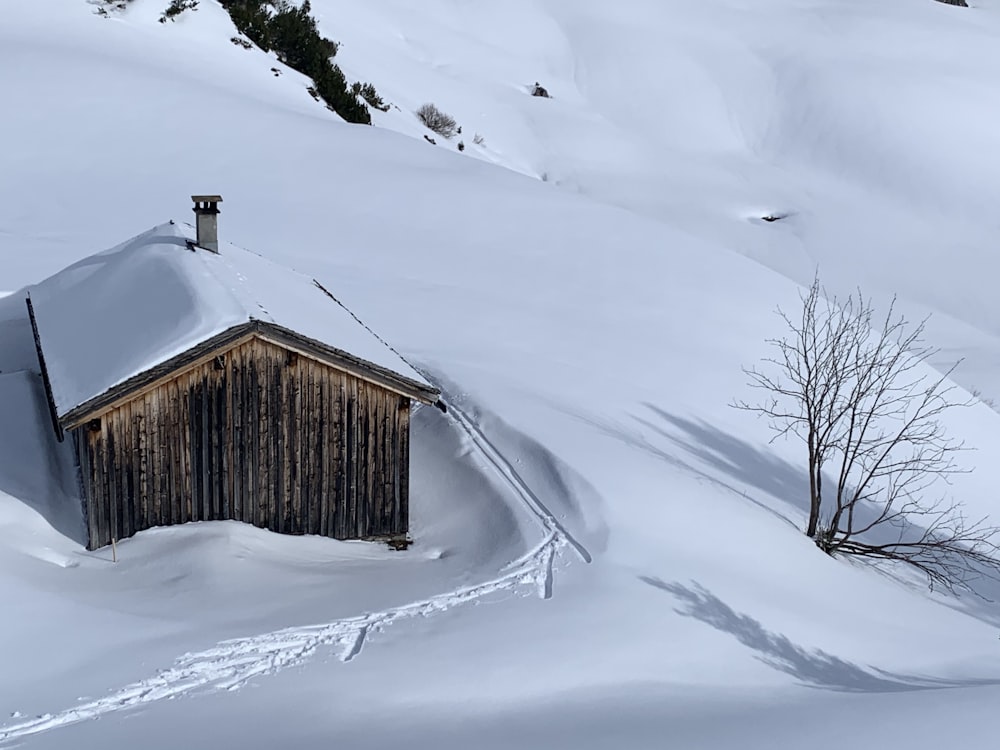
[[207, 198]]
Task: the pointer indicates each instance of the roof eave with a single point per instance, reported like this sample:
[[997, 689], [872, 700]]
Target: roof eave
[[46, 383], [129, 388], [336, 358], [343, 360]]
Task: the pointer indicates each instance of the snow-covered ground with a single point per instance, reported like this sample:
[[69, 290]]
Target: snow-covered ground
[[606, 554]]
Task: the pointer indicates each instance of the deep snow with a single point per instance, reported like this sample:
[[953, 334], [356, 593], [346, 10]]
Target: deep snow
[[584, 286], [125, 310]]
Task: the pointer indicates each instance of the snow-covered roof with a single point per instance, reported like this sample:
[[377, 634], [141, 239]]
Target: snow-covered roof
[[122, 312]]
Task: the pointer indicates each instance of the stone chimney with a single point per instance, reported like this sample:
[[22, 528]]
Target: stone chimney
[[206, 211]]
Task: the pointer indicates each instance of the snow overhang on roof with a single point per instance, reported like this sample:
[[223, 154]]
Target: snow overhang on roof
[[105, 323]]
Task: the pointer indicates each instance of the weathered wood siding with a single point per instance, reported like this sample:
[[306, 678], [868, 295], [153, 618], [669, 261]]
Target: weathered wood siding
[[257, 434]]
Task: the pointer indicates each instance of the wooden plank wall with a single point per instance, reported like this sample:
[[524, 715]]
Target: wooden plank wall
[[259, 434]]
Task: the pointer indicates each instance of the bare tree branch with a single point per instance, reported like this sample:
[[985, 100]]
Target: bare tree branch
[[856, 391]]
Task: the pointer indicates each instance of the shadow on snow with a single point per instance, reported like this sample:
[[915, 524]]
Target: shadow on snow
[[758, 476], [815, 667], [34, 468]]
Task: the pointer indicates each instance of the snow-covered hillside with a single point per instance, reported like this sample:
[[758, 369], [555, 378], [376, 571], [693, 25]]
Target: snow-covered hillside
[[606, 554]]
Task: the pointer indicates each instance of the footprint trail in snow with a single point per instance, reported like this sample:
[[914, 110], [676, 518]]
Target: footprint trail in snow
[[232, 664]]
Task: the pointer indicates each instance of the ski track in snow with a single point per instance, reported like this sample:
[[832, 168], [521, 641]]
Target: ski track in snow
[[233, 663]]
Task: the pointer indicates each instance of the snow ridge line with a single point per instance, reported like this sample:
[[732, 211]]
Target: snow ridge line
[[231, 664], [509, 474]]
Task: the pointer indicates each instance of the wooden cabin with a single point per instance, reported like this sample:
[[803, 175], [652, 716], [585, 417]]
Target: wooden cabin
[[200, 382]]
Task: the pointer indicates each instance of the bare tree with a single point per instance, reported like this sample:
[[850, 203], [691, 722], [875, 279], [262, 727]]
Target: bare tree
[[856, 391]]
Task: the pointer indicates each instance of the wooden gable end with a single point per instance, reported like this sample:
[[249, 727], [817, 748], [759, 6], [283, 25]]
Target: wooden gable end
[[218, 345], [255, 432]]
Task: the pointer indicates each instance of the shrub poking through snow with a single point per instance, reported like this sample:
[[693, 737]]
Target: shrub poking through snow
[[540, 90], [290, 31], [461, 145], [177, 7], [104, 6], [367, 92], [436, 120], [478, 140]]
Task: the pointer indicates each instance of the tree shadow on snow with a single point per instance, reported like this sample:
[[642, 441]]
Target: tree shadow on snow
[[814, 668], [725, 455], [772, 484], [718, 458], [728, 455]]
